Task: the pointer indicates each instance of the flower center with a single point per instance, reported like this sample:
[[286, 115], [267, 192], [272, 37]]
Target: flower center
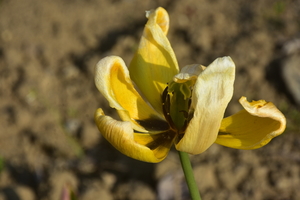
[[176, 100]]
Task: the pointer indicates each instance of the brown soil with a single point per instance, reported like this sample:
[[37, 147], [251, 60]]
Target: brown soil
[[48, 140]]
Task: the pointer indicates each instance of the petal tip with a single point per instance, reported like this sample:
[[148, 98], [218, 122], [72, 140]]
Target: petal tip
[[226, 61]]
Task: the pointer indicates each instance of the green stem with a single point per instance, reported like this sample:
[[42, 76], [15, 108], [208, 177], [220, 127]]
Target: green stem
[[189, 176]]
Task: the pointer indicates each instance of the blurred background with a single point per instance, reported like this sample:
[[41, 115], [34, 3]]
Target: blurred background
[[49, 143]]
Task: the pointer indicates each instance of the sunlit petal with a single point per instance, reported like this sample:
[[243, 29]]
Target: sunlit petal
[[154, 63], [113, 81], [121, 135], [211, 95], [253, 127]]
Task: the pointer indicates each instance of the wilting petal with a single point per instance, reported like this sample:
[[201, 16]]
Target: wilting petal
[[154, 63], [113, 81], [121, 135], [211, 95], [252, 127]]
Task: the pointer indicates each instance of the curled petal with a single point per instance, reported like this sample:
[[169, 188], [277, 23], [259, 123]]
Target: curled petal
[[140, 146], [154, 63], [211, 95], [161, 18], [113, 81], [189, 72], [253, 127]]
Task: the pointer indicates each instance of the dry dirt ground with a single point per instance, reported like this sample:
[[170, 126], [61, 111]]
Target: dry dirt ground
[[49, 142]]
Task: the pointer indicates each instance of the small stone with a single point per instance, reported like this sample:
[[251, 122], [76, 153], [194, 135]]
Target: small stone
[[291, 75]]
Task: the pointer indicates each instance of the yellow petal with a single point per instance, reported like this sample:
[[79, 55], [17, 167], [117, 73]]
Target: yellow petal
[[113, 81], [154, 63], [211, 95], [121, 135], [189, 72], [253, 127], [159, 143]]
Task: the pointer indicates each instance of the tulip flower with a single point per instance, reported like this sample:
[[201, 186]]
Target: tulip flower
[[160, 106]]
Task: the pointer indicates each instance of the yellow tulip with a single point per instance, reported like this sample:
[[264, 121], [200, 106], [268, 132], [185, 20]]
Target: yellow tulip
[[182, 108]]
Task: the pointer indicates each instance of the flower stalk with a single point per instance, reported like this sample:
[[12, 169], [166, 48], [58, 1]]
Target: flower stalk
[[189, 175]]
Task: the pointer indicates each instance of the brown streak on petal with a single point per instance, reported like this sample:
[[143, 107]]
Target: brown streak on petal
[[159, 143], [153, 124]]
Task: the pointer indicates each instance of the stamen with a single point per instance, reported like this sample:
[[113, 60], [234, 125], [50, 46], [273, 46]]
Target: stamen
[[166, 107]]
